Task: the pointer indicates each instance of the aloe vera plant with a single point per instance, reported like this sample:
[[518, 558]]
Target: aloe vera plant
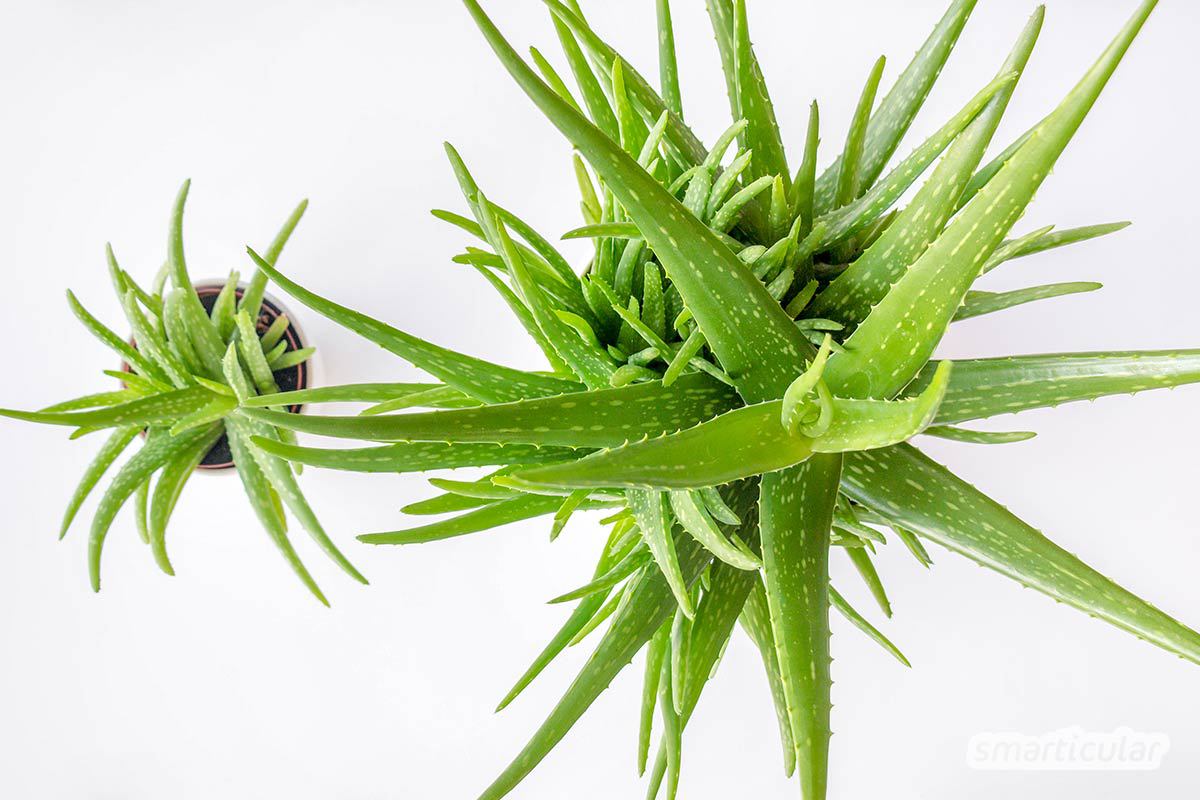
[[735, 374], [185, 370], [739, 369]]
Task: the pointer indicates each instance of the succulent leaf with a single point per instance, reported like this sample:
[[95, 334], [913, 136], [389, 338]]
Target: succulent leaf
[[899, 107], [988, 387], [898, 336], [475, 377], [920, 494], [741, 443], [795, 511]]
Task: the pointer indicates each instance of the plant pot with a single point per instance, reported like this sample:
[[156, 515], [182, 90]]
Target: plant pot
[[290, 379]]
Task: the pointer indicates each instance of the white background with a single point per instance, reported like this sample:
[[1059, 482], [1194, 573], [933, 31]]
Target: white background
[[230, 681]]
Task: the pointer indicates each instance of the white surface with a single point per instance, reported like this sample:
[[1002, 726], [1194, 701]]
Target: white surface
[[230, 681]]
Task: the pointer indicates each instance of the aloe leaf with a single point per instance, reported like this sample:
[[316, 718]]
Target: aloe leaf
[[204, 336], [804, 184], [899, 107], [521, 312], [225, 307], [683, 141], [850, 297], [907, 486], [491, 516], [562, 516], [668, 66], [650, 603], [138, 385], [692, 515], [235, 374], [96, 400], [978, 437], [564, 350], [592, 366], [252, 297], [156, 451], [488, 382], [152, 344], [123, 283], [656, 652], [553, 78], [413, 456], [168, 489], [1069, 236], [899, 335], [433, 396], [753, 104], [444, 504], [866, 570], [619, 230], [989, 170], [349, 393], [976, 304], [115, 342], [716, 614], [721, 293], [584, 611], [279, 474], [744, 83], [857, 215], [633, 131], [560, 280], [1009, 247], [848, 181], [756, 621], [141, 501], [598, 418], [631, 563], [650, 510], [860, 622], [286, 359], [482, 489], [795, 511], [594, 99], [154, 410], [988, 387], [846, 519], [610, 607], [914, 545], [178, 335], [252, 354], [216, 409], [735, 207], [1050, 239], [744, 442], [267, 509], [104, 458]]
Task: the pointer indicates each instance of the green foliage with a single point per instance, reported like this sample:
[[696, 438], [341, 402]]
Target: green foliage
[[735, 375], [691, 395], [186, 370]]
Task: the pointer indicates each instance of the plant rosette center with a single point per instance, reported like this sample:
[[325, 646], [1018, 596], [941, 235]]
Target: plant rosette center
[[291, 378]]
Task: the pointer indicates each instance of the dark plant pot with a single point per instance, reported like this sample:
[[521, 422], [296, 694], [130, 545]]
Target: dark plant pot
[[288, 380]]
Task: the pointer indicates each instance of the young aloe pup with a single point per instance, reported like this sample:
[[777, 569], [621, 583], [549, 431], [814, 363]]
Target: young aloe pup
[[739, 369], [186, 369]]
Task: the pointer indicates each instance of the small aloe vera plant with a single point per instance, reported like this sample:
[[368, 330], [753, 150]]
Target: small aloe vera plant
[[739, 369], [185, 371]]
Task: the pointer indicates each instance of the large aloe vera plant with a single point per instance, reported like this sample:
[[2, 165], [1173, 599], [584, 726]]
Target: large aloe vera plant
[[185, 369], [739, 368]]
